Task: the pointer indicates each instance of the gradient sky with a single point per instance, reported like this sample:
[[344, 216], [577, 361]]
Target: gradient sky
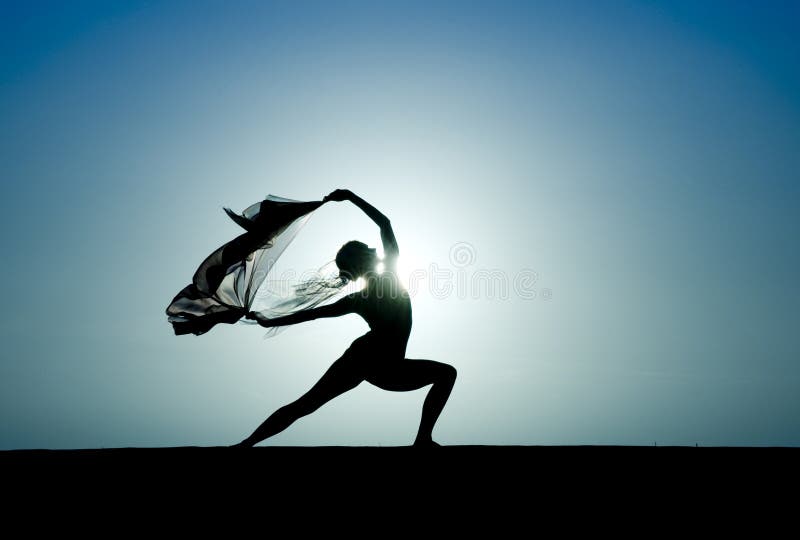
[[641, 157]]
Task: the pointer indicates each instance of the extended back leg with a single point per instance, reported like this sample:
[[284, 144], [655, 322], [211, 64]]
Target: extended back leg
[[343, 375]]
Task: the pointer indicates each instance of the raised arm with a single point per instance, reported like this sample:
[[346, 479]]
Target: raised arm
[[343, 306], [390, 247]]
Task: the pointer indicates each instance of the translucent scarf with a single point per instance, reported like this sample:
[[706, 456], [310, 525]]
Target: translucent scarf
[[225, 286]]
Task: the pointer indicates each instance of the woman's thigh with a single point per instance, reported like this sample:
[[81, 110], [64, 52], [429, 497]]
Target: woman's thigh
[[347, 372], [409, 374]]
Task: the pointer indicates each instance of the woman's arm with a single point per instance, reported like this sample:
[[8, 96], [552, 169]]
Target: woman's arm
[[390, 248], [294, 318], [373, 213], [342, 306]]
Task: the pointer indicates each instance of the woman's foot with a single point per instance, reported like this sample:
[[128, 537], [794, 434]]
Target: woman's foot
[[426, 443], [244, 444]]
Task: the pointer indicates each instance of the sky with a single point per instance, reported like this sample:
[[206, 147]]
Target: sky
[[625, 172]]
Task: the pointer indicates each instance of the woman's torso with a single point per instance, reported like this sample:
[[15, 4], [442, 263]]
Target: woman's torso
[[386, 306]]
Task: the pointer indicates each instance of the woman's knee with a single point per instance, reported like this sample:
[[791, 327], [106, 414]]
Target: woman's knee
[[449, 373]]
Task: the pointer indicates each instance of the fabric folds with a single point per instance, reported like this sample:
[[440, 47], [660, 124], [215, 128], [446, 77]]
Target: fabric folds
[[225, 284]]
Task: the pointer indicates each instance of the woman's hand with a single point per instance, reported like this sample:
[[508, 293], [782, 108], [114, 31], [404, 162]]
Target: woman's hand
[[263, 321], [338, 195], [256, 316]]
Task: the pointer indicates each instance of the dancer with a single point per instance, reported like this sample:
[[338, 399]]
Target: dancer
[[378, 356]]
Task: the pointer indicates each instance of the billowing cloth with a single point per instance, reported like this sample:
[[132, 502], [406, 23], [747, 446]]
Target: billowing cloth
[[225, 285]]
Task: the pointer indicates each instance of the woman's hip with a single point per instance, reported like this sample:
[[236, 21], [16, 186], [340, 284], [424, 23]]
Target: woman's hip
[[376, 347]]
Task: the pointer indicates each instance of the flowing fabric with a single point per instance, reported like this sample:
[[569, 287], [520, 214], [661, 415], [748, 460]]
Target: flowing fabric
[[224, 287]]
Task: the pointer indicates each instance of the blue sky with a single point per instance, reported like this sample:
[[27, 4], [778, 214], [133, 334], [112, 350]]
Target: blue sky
[[640, 157]]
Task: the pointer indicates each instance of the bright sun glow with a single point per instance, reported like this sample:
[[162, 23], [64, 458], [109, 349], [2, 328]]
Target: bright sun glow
[[406, 266], [405, 270]]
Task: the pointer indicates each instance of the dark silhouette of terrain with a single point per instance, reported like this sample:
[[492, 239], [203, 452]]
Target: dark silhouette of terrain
[[491, 484]]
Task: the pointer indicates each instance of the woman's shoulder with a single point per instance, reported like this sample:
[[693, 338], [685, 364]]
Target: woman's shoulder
[[388, 282]]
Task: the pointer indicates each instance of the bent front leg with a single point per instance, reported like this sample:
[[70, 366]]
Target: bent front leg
[[412, 374]]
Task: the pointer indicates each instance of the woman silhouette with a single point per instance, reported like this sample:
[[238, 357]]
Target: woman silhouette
[[378, 356]]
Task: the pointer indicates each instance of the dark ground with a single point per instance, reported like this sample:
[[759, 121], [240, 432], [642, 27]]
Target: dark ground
[[403, 463], [192, 486]]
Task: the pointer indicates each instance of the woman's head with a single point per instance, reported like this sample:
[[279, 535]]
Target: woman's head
[[355, 259]]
